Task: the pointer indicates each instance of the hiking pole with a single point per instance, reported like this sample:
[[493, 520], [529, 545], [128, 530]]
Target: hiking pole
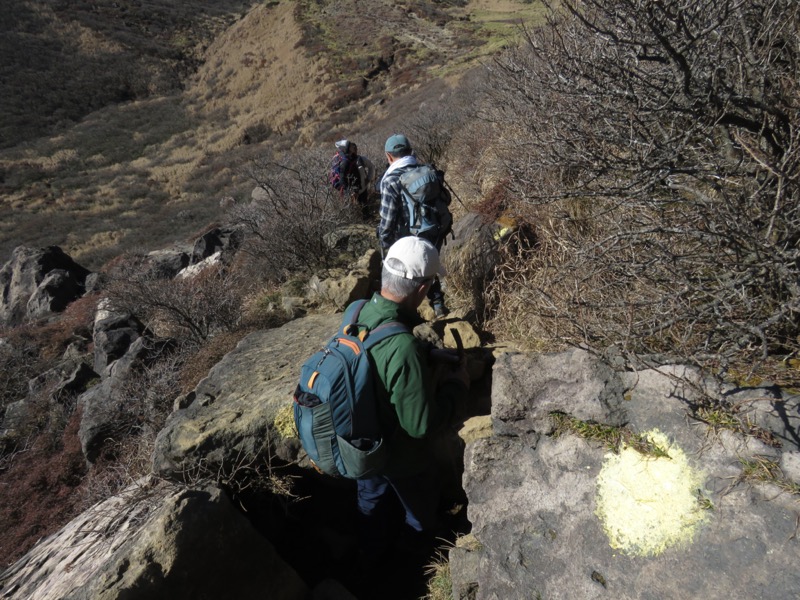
[[452, 191]]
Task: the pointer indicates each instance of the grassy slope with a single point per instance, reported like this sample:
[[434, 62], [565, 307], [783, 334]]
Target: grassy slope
[[141, 145]]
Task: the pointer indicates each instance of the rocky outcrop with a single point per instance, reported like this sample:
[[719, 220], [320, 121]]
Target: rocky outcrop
[[155, 540], [555, 512], [340, 287], [354, 240], [114, 332], [225, 240], [166, 264], [59, 385], [230, 416], [557, 516], [38, 281], [121, 344]]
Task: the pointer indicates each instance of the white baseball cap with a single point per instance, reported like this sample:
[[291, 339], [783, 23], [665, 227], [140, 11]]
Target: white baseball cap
[[419, 257]]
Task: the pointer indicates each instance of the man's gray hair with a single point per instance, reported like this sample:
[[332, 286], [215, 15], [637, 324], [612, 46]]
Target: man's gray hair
[[395, 284]]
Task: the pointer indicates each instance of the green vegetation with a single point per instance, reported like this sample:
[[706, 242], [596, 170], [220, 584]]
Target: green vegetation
[[721, 416], [704, 501], [766, 470], [440, 585], [612, 437]]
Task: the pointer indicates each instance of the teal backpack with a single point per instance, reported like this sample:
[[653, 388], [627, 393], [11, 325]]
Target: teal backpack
[[427, 203], [335, 408]]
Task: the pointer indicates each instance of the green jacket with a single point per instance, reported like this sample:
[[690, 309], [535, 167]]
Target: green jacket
[[409, 408]]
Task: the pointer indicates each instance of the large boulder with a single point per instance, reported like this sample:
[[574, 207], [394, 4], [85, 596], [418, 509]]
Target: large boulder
[[166, 264], [58, 288], [527, 389], [155, 540], [557, 516], [38, 281], [114, 332], [472, 253], [121, 346], [340, 287], [225, 240], [354, 240], [230, 416], [107, 413]]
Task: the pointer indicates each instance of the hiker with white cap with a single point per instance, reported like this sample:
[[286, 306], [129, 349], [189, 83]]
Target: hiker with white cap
[[411, 406], [414, 201], [352, 175]]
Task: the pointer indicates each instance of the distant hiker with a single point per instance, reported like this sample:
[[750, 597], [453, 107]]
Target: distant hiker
[[352, 174], [414, 201], [409, 408], [343, 174], [366, 177]]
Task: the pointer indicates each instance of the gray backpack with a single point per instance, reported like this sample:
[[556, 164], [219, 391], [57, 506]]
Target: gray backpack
[[427, 203]]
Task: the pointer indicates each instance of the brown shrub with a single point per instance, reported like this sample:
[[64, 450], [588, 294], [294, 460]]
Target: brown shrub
[[39, 490], [288, 225], [665, 206], [194, 307]]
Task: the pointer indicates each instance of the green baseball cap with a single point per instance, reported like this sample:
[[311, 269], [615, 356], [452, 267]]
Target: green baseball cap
[[397, 143]]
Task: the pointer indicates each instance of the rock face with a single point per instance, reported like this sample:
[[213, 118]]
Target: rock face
[[155, 540], [165, 264], [120, 345], [38, 281], [471, 256], [562, 517], [341, 287], [232, 411], [113, 334], [553, 515]]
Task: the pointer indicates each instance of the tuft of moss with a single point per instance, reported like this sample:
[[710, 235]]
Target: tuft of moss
[[718, 416], [761, 469], [612, 437], [284, 422], [440, 583]]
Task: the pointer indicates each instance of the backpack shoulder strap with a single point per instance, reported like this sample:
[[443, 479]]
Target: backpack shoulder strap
[[352, 313], [381, 332], [373, 336]]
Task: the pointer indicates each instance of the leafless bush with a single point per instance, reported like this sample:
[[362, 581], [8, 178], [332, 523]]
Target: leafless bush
[[440, 121], [194, 307], [246, 473], [294, 210], [433, 127], [151, 389], [108, 478], [17, 366], [149, 392], [654, 146]]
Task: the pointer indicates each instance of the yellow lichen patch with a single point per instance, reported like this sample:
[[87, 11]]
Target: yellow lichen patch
[[284, 422], [646, 503]]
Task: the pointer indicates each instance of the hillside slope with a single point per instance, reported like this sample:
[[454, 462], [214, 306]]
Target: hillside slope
[[147, 167]]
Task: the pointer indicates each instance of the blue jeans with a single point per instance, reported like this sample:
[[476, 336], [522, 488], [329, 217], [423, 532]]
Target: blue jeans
[[418, 496]]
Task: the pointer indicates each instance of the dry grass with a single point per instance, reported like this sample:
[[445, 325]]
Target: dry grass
[[764, 470], [612, 437], [143, 173]]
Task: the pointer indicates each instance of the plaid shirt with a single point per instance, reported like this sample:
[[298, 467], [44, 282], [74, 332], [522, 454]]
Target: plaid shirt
[[394, 215]]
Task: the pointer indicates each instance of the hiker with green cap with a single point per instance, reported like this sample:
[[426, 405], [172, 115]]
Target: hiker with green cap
[[398, 211]]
